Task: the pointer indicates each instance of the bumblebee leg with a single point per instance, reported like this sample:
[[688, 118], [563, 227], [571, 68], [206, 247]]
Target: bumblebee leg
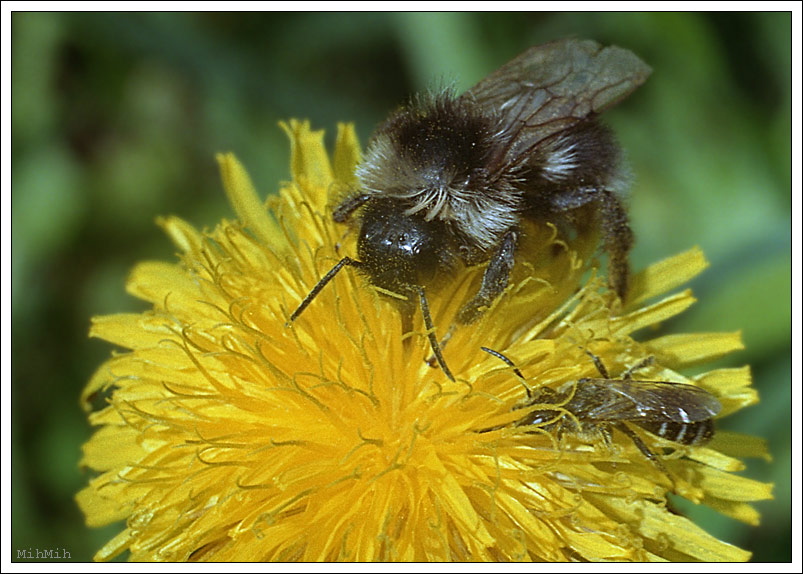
[[618, 239], [616, 232], [348, 206], [494, 280]]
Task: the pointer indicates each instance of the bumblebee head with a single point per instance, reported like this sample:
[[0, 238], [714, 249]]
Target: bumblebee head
[[399, 251]]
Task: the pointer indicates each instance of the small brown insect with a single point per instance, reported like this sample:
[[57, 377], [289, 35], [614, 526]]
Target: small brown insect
[[677, 412], [449, 179]]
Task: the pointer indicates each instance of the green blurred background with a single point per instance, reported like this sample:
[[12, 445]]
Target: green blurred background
[[117, 117]]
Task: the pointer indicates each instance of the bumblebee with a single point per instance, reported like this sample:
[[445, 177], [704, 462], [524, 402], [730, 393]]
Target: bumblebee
[[449, 179]]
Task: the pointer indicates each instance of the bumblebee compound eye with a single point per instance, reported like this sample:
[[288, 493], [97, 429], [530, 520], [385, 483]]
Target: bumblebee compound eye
[[400, 252]]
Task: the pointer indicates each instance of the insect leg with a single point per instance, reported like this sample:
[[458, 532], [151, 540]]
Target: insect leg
[[321, 284], [628, 374], [616, 232], [645, 450], [618, 241], [494, 280], [598, 363], [348, 206]]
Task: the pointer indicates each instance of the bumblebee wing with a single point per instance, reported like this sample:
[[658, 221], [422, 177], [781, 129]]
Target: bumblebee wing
[[633, 400], [551, 87]]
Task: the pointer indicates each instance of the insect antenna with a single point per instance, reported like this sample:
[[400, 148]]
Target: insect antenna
[[324, 281], [433, 340], [444, 340], [510, 363], [321, 284]]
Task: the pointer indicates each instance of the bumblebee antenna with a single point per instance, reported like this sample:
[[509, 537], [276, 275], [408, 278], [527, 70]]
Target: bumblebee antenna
[[320, 285], [433, 340]]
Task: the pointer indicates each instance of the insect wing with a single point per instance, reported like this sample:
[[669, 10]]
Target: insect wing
[[550, 87], [611, 400]]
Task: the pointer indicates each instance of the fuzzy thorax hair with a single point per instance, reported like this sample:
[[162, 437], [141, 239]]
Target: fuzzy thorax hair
[[437, 155]]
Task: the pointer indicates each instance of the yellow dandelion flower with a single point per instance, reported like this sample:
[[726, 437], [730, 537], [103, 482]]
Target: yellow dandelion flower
[[228, 435]]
